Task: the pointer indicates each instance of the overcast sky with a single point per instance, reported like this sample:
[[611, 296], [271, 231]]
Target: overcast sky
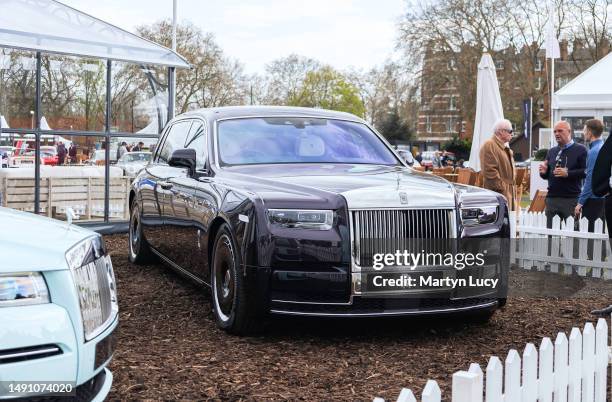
[[343, 33]]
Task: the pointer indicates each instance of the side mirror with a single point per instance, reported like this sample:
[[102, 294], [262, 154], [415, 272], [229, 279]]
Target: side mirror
[[184, 158]]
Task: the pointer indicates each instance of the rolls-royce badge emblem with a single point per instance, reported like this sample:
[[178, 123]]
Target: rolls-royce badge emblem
[[403, 197]]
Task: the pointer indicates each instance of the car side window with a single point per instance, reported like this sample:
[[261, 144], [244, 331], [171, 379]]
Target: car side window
[[174, 140], [197, 141]]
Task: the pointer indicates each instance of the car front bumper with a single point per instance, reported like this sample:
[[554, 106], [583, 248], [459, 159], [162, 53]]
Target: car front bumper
[[30, 328], [381, 307], [320, 294]]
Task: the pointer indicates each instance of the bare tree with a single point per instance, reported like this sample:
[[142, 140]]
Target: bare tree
[[212, 80], [285, 77], [588, 28]]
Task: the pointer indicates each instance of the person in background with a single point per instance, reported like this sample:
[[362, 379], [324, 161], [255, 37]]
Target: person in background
[[497, 162], [121, 149], [72, 153], [419, 157], [138, 147], [564, 168], [436, 162], [460, 163], [444, 159], [3, 159], [61, 153], [589, 205], [602, 179]]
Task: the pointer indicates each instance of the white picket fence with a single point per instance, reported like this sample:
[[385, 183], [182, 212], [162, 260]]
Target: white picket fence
[[562, 248], [571, 370]]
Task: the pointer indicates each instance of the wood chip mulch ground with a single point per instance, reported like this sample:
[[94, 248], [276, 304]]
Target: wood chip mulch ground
[[170, 349]]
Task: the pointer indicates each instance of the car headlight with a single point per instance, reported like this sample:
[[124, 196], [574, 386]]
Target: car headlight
[[304, 219], [479, 215], [23, 289], [85, 252]]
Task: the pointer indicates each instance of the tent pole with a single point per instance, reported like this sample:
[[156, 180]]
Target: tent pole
[[172, 71], [530, 127], [107, 127], [552, 91], [37, 135], [171, 94]]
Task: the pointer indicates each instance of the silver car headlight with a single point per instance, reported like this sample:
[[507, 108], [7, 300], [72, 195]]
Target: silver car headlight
[[304, 219], [23, 289], [479, 215]]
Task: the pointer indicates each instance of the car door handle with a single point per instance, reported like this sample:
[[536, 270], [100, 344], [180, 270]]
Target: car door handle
[[165, 185]]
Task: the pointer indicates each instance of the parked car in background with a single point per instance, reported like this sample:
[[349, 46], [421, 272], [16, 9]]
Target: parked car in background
[[408, 158], [58, 305], [48, 154], [280, 210], [98, 157], [133, 162], [427, 160]]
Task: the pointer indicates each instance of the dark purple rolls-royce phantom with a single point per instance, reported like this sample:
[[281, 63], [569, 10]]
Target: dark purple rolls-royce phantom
[[283, 210]]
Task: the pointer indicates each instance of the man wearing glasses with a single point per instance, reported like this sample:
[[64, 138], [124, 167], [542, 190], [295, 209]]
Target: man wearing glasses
[[564, 168], [497, 162]]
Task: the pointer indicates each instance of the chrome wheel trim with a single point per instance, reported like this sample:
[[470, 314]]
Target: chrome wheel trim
[[134, 238]]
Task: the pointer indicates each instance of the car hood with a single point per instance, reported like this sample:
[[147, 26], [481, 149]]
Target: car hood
[[363, 186], [30, 242]]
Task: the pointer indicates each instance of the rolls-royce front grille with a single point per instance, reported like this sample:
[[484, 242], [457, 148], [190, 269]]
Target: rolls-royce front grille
[[386, 231], [95, 284]]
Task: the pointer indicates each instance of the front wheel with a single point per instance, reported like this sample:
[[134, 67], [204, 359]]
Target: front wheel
[[140, 252], [233, 304]]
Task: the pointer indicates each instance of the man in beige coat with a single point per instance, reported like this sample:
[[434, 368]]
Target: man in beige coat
[[497, 163]]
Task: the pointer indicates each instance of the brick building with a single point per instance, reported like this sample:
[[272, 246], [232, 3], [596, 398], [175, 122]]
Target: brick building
[[450, 78]]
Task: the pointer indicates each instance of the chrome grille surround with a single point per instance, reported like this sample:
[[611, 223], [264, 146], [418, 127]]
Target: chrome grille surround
[[393, 227], [96, 289]]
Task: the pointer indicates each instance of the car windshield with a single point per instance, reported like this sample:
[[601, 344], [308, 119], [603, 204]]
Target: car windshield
[[137, 157], [299, 140]]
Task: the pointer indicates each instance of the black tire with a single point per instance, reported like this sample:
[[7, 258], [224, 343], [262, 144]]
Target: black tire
[[139, 250], [234, 306]]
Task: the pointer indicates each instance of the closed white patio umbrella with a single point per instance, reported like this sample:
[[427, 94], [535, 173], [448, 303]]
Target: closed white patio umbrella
[[44, 125], [3, 123], [488, 107]]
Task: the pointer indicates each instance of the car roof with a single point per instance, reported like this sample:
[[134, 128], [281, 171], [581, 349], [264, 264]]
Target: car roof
[[228, 112]]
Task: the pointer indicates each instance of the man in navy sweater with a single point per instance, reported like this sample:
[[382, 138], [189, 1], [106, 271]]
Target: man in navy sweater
[[602, 179], [564, 168]]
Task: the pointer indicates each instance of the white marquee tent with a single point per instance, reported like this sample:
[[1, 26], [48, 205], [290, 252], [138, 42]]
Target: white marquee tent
[[587, 96]]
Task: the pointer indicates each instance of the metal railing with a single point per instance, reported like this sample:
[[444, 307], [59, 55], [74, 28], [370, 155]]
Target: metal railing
[[107, 134]]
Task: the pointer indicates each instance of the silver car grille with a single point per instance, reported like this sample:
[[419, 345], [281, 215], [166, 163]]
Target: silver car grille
[[385, 231], [95, 283]]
